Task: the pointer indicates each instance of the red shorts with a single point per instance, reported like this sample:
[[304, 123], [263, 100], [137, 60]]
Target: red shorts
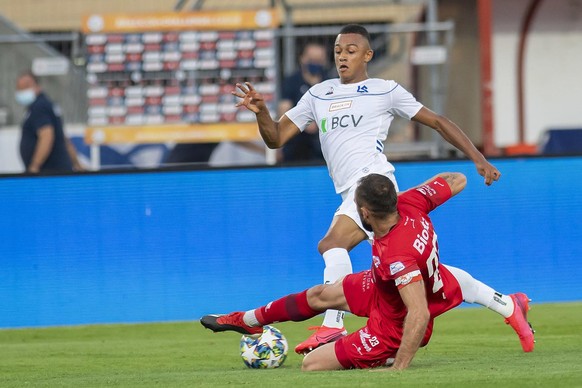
[[369, 346]]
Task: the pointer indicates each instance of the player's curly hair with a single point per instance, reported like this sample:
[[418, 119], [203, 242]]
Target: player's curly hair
[[356, 29], [377, 193]]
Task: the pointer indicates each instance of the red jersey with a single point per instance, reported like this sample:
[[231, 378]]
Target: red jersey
[[409, 252]]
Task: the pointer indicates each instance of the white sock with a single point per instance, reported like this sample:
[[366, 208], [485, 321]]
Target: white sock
[[478, 292], [337, 265], [251, 319]]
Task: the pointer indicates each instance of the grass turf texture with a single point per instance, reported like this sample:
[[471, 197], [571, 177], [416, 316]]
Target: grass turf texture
[[469, 347]]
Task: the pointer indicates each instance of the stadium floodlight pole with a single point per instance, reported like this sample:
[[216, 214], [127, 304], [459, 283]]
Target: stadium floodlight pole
[[526, 24], [288, 40], [484, 16], [432, 38]]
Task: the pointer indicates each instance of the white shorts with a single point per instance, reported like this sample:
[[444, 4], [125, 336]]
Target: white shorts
[[348, 206]]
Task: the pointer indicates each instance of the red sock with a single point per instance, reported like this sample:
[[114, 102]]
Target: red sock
[[292, 307]]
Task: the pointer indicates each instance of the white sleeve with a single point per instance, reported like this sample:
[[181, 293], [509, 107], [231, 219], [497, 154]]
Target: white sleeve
[[302, 113], [403, 103]]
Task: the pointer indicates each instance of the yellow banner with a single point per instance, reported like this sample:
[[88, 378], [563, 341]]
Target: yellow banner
[[178, 21], [181, 133]]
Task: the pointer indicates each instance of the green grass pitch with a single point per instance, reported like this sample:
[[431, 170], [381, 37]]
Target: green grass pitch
[[470, 348]]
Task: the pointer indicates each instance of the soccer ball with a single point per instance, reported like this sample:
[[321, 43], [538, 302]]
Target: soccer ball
[[269, 350]]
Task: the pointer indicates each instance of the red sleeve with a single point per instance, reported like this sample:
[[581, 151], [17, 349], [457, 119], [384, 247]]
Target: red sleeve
[[428, 196]]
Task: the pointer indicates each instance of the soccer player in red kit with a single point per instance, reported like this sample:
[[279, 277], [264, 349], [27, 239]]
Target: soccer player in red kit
[[402, 293]]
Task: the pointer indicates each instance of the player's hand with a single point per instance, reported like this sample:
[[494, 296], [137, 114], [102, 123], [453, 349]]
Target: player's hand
[[251, 99], [489, 172]]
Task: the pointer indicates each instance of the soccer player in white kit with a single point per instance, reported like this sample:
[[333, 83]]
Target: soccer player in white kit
[[353, 114]]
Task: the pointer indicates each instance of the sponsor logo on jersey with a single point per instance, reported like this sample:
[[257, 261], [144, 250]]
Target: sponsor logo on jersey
[[396, 267], [329, 92], [426, 190], [376, 261], [368, 341], [421, 238], [335, 122], [340, 105], [362, 89]]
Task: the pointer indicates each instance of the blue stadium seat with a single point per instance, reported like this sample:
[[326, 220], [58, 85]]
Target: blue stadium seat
[[562, 142]]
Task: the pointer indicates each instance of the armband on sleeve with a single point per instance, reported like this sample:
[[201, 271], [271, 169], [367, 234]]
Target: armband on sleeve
[[407, 278]]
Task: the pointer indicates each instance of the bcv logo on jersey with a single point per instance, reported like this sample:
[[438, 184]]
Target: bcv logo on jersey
[[362, 89], [339, 121]]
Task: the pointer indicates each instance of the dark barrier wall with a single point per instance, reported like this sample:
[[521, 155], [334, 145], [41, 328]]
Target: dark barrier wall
[[175, 245]]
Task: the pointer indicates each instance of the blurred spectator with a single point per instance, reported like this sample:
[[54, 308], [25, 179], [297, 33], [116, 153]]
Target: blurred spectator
[[43, 145], [313, 69]]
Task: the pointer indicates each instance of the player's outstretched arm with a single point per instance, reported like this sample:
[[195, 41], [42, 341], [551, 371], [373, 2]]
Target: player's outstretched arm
[[456, 181], [415, 324], [274, 133], [454, 135]]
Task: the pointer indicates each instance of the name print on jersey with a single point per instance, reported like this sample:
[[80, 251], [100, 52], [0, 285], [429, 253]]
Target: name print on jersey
[[422, 238], [339, 121], [340, 105]]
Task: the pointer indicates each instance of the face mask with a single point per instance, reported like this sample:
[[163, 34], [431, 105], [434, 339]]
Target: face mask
[[25, 97], [315, 69]]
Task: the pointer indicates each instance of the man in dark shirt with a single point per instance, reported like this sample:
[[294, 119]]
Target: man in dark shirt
[[43, 145], [313, 69]]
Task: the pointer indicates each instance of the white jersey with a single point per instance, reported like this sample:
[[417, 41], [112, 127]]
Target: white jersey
[[353, 122]]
